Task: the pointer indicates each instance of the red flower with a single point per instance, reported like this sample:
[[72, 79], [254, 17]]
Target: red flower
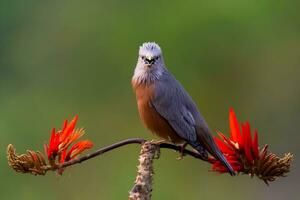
[[240, 149], [244, 155], [61, 140], [75, 150]]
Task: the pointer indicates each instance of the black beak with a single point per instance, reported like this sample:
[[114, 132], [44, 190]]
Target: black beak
[[149, 61]]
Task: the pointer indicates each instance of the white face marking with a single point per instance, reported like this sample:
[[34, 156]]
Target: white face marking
[[150, 65], [150, 50]]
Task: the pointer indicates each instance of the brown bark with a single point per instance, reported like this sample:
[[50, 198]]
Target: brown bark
[[143, 183]]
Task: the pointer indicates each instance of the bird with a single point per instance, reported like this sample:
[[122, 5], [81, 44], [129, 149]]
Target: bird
[[166, 108]]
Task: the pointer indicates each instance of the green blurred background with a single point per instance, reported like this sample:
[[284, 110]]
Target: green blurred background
[[61, 58]]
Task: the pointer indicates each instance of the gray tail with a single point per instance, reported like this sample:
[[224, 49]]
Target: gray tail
[[215, 152], [218, 155], [206, 140]]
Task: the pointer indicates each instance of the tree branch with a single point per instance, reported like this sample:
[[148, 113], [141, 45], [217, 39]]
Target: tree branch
[[111, 147], [143, 183], [34, 162], [102, 151]]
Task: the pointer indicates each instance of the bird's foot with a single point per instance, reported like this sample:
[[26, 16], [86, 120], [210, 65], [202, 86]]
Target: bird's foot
[[157, 142], [157, 154], [182, 151]]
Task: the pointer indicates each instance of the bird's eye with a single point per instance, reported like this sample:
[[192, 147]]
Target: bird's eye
[[143, 57]]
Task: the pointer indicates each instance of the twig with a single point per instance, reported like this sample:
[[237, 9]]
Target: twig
[[126, 142], [102, 151]]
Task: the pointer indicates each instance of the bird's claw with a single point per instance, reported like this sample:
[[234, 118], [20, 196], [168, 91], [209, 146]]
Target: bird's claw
[[181, 153], [157, 154], [180, 157], [157, 143]]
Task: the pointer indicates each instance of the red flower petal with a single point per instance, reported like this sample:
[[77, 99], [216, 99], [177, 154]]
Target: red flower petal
[[57, 149], [52, 138], [228, 141], [65, 125], [234, 127], [63, 156], [68, 129], [78, 148], [53, 144], [247, 142], [240, 150], [71, 138], [223, 147]]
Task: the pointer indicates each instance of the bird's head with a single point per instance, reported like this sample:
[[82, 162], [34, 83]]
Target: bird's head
[[150, 64], [150, 55]]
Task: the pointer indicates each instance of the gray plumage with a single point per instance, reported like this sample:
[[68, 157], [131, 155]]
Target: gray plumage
[[174, 104]]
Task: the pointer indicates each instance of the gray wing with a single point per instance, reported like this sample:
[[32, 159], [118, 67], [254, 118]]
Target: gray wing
[[173, 103], [170, 102]]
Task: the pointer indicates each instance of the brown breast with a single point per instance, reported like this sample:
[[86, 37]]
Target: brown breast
[[150, 117]]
